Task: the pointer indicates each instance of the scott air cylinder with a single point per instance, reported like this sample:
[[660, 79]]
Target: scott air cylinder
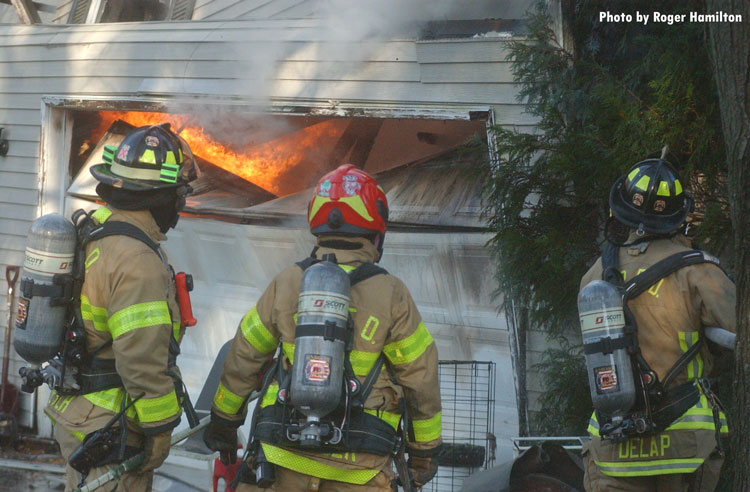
[[608, 362], [320, 343], [40, 320]]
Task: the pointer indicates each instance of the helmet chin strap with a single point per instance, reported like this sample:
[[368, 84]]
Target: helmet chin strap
[[167, 215]]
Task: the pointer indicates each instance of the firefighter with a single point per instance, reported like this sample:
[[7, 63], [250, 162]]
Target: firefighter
[[682, 450], [130, 313], [348, 213]]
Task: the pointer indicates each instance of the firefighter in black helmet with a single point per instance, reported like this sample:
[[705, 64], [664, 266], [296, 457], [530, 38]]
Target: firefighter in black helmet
[[680, 447], [130, 311]]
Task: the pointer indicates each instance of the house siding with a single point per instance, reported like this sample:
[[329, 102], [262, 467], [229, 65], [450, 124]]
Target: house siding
[[219, 58]]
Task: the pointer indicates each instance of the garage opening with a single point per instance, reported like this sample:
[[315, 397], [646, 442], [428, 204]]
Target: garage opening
[[252, 164]]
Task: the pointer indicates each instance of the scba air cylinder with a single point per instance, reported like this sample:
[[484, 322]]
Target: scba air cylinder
[[320, 344], [40, 319], [608, 363]]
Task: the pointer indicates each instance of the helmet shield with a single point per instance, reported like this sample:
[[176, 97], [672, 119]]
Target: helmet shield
[[650, 197], [148, 158]]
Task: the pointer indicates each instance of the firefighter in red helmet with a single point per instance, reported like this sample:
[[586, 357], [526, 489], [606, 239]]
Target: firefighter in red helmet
[[391, 357]]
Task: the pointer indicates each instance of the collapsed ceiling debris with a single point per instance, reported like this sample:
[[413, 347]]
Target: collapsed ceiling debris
[[260, 169]]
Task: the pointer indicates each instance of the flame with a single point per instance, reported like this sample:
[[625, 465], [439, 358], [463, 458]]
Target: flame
[[267, 165]]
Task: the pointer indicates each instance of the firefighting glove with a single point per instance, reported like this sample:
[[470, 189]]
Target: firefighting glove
[[156, 450], [422, 465], [221, 436]]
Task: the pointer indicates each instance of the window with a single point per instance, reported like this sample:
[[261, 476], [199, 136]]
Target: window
[[95, 11]]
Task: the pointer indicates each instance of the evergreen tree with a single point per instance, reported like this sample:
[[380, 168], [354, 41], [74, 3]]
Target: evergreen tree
[[612, 96]]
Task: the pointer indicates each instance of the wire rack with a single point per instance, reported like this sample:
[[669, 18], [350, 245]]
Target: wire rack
[[467, 390]]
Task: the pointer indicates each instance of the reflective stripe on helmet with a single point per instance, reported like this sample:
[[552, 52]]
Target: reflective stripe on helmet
[[410, 348], [317, 202], [135, 173], [256, 332], [226, 401], [137, 316], [307, 466], [426, 430], [643, 183], [355, 203], [648, 468], [159, 408]]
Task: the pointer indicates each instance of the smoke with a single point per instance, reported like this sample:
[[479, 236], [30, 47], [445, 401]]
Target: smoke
[[328, 54]]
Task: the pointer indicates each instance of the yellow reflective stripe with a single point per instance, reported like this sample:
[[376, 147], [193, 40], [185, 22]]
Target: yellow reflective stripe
[[138, 316], [226, 401], [159, 408], [347, 268], [170, 159], [317, 202], [700, 417], [663, 189], [362, 362], [256, 332], [648, 468], [392, 419], [633, 174], [148, 157], [78, 435], [288, 350], [593, 427], [677, 187], [97, 315], [270, 397], [427, 429], [642, 183], [110, 399], [356, 204], [307, 466], [134, 172], [694, 367], [410, 348], [102, 214], [176, 330]]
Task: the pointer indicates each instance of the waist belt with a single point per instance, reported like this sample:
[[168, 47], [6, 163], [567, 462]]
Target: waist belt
[[674, 404], [99, 375], [365, 433]]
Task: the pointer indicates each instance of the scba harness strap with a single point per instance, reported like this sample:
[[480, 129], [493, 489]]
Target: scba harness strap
[[364, 432], [661, 406]]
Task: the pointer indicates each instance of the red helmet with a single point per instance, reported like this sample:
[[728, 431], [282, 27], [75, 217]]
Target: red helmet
[[350, 202]]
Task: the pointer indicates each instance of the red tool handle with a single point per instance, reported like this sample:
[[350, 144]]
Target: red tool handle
[[184, 283]]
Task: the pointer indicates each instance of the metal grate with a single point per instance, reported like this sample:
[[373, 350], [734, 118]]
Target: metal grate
[[467, 390]]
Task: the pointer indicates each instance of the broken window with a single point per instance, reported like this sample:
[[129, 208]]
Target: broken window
[[95, 11]]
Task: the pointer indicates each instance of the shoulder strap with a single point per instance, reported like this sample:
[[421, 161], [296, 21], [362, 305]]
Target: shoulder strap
[[365, 271], [117, 228], [610, 264], [307, 263], [643, 281]]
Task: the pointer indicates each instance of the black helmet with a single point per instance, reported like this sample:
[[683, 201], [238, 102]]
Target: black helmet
[[650, 198], [148, 158]]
